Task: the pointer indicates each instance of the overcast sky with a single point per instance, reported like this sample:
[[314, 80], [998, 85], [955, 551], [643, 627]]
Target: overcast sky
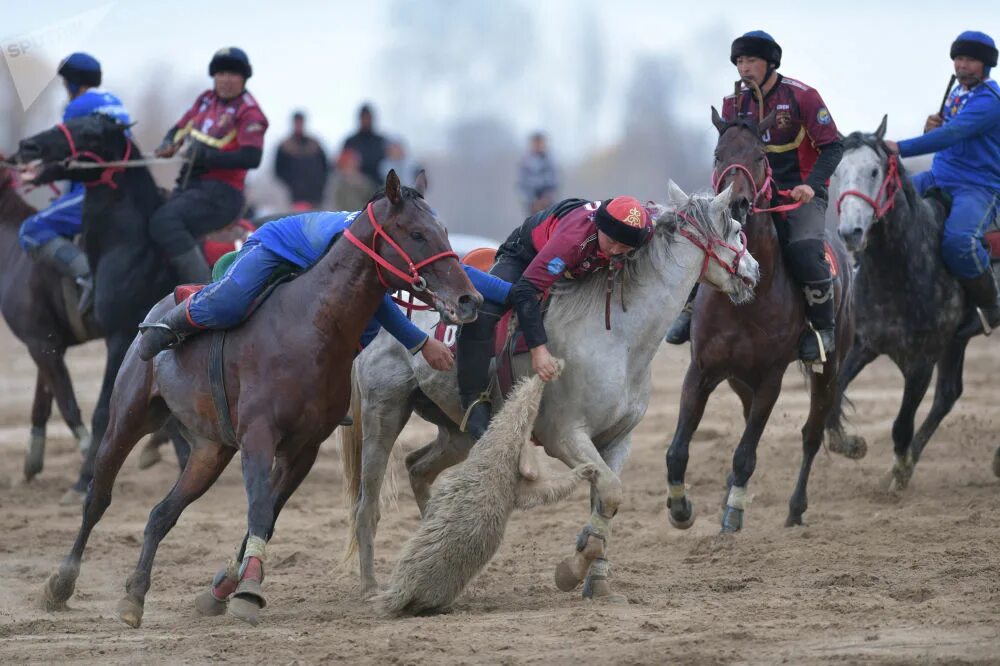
[[865, 58]]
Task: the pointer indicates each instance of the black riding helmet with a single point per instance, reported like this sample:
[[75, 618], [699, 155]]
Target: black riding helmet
[[230, 59]]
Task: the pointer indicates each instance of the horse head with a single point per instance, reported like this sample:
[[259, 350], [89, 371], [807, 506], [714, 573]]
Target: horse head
[[741, 162], [863, 178], [415, 243], [707, 222], [95, 137]]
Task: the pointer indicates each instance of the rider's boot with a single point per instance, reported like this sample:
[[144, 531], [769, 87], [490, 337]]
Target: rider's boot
[[64, 256], [191, 267], [806, 261], [473, 382], [981, 293], [680, 331], [166, 333]]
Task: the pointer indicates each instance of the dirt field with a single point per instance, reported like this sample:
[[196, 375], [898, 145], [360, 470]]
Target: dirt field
[[874, 578]]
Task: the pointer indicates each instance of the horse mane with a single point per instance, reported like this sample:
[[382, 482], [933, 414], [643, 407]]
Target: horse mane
[[575, 299], [145, 193], [856, 140]]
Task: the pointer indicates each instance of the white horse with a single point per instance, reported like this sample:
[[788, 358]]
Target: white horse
[[588, 415]]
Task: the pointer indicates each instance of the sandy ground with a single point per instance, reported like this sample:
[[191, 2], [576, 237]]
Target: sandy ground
[[873, 578]]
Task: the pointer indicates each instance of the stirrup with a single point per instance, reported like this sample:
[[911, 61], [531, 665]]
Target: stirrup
[[817, 365], [987, 329], [178, 338], [483, 397]]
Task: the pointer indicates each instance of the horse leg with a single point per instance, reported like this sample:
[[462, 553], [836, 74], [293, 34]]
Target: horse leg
[[694, 396], [946, 393], [744, 393], [745, 457], [916, 380], [597, 584], [257, 455], [204, 467], [41, 410], [130, 419], [850, 446], [150, 454], [606, 496], [285, 480], [823, 394], [117, 345], [449, 448]]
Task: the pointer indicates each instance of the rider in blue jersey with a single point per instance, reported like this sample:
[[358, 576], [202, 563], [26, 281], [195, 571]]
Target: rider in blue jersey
[[298, 241], [47, 235]]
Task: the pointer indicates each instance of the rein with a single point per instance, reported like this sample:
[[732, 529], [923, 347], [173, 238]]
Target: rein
[[707, 244], [110, 170], [414, 280], [891, 184], [764, 191]]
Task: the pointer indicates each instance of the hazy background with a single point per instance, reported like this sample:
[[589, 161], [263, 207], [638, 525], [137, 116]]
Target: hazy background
[[622, 89]]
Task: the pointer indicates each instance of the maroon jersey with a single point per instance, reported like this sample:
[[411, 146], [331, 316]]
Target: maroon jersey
[[226, 125], [564, 237], [802, 126]]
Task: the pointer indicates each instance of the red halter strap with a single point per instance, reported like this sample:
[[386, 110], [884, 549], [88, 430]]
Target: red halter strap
[[762, 192], [413, 279], [891, 184], [107, 175], [707, 244]]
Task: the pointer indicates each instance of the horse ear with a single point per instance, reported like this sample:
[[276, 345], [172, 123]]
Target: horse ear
[[880, 132], [767, 123], [393, 192], [675, 195], [420, 182], [717, 120], [722, 199]]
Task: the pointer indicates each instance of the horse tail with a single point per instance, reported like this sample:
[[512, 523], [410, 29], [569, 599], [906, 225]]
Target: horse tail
[[351, 444]]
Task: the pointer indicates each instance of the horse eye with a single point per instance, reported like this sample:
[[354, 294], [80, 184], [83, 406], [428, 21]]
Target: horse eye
[[874, 173], [417, 236]]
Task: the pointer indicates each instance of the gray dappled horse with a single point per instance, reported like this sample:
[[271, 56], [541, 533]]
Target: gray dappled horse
[[585, 417], [908, 305]]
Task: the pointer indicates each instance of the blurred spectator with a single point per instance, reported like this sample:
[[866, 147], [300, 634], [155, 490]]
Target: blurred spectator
[[536, 178], [397, 158], [367, 144], [301, 165], [351, 188]]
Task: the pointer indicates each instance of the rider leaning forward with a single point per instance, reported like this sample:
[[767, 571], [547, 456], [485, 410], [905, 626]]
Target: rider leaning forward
[[803, 150]]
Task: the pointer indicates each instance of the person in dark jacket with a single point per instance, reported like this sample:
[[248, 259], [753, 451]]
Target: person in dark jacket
[[301, 165]]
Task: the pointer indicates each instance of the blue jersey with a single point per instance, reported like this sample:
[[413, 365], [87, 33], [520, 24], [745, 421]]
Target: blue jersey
[[96, 101], [967, 145], [302, 239]]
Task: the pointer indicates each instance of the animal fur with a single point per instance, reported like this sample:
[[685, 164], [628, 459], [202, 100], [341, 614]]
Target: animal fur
[[467, 515]]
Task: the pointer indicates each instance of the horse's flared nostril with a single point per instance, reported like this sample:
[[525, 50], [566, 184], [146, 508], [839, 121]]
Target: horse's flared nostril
[[468, 305]]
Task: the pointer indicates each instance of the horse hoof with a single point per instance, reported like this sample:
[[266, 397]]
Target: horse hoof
[[57, 591], [246, 609], [732, 520], [854, 447], [34, 459], [794, 520], [996, 463], [130, 612], [206, 604], [72, 497], [678, 520], [599, 590], [150, 456], [567, 576]]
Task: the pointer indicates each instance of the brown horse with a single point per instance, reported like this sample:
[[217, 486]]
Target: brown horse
[[287, 373], [34, 305], [751, 346]]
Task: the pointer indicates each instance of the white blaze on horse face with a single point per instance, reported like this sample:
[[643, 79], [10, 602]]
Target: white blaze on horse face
[[861, 170]]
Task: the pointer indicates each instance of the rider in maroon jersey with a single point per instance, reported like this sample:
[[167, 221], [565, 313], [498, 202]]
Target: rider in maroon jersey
[[570, 239], [803, 150]]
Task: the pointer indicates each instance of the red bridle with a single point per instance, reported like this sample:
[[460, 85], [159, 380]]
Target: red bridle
[[891, 184], [707, 244], [762, 192], [107, 175], [415, 282]]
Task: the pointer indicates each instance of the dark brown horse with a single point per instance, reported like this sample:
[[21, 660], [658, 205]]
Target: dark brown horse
[[33, 301], [751, 346], [287, 375]]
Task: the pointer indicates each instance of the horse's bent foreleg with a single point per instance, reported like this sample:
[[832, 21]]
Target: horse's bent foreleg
[[745, 457], [850, 446], [449, 448], [694, 396], [946, 393], [823, 394], [916, 379], [204, 466]]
